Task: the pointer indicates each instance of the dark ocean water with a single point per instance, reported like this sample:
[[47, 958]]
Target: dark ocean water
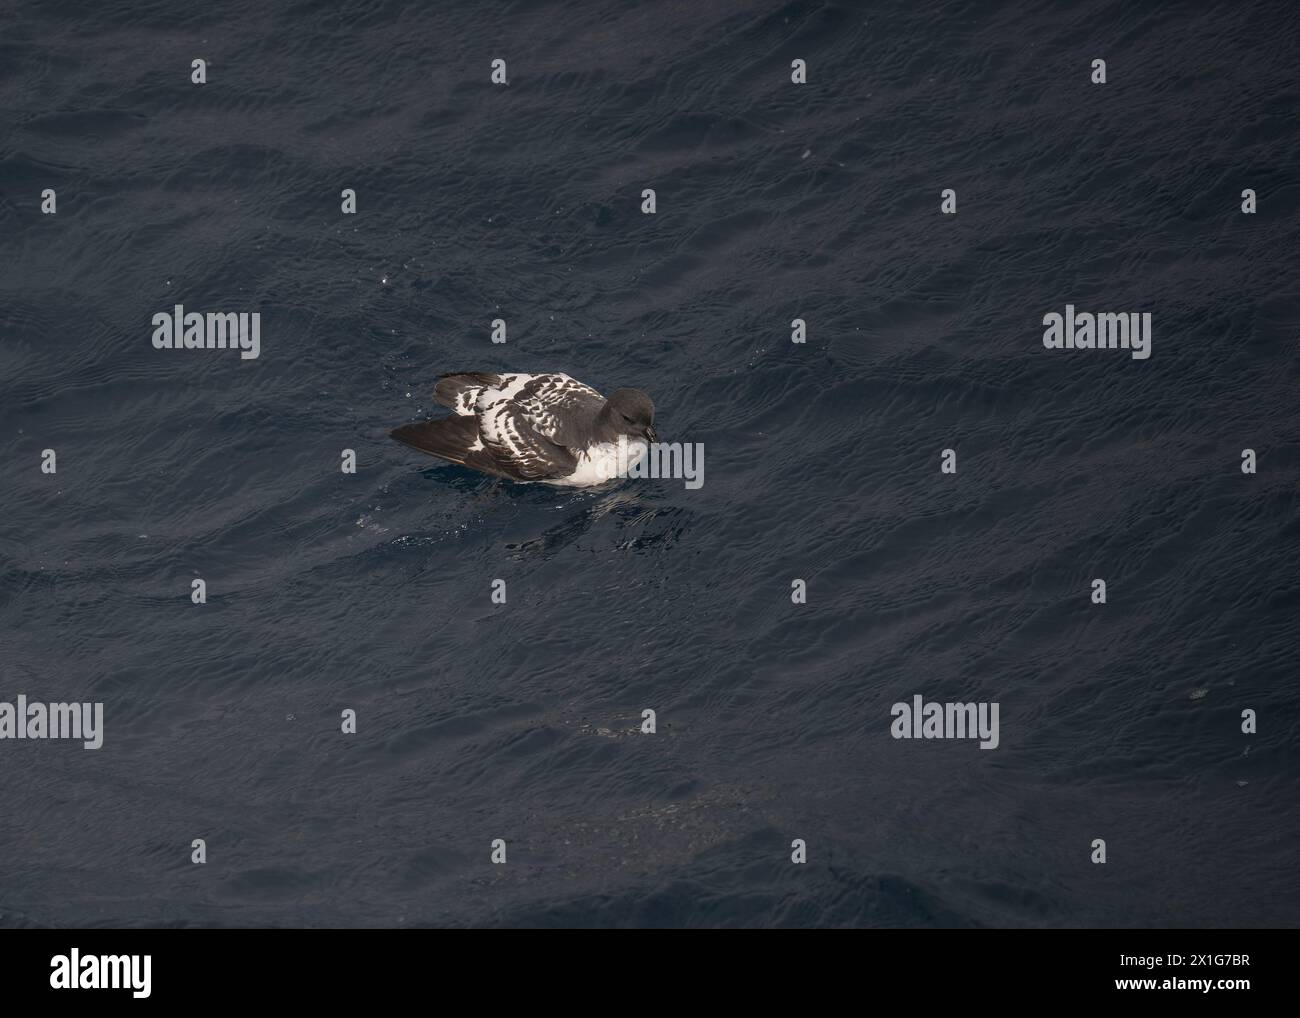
[[775, 201]]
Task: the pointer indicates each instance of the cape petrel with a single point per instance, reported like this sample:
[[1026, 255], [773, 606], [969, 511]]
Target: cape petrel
[[549, 428]]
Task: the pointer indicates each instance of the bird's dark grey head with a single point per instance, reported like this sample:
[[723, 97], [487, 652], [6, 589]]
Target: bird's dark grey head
[[630, 412]]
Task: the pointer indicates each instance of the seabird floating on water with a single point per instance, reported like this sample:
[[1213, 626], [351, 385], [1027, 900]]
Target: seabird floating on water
[[549, 428]]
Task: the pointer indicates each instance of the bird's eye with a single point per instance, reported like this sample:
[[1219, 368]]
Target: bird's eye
[[627, 418]]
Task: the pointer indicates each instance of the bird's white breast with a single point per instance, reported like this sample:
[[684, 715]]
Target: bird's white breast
[[602, 463]]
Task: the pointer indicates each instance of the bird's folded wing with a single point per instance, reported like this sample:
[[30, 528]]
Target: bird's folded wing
[[456, 440]]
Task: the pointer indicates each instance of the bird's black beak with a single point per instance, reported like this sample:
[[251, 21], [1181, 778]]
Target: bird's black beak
[[651, 434]]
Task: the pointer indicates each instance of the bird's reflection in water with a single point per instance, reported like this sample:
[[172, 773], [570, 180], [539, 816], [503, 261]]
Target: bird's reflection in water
[[585, 510], [631, 510]]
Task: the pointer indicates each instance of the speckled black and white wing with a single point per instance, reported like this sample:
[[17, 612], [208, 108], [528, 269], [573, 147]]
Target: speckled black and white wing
[[510, 433], [561, 408]]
